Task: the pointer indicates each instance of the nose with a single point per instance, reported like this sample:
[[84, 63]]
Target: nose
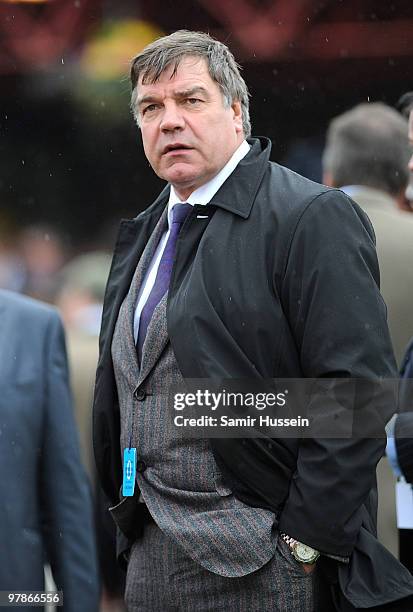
[[172, 118]]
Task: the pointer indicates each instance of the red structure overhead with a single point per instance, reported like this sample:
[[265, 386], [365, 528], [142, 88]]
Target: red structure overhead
[[296, 30], [287, 30], [37, 36], [264, 31]]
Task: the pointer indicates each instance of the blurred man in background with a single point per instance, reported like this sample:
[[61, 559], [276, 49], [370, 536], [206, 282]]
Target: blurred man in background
[[46, 512], [366, 155], [43, 252], [80, 300], [400, 429]]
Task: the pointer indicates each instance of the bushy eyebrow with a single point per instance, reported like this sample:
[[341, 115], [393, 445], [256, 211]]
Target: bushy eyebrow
[[184, 93], [146, 100], [192, 91]]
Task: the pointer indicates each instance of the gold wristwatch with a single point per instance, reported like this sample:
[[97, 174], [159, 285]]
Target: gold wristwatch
[[300, 551]]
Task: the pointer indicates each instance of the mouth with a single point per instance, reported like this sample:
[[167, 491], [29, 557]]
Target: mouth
[[176, 148]]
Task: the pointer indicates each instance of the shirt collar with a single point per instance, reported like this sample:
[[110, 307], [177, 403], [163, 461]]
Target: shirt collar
[[205, 193], [370, 198], [351, 190]]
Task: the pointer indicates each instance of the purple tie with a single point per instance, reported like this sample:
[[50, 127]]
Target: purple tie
[[163, 275]]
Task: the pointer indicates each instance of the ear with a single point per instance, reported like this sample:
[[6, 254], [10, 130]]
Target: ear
[[237, 116]]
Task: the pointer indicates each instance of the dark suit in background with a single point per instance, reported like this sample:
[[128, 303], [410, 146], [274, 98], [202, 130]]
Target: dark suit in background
[[45, 514]]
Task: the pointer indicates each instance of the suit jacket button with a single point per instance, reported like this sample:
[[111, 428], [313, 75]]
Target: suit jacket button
[[139, 394], [141, 466]]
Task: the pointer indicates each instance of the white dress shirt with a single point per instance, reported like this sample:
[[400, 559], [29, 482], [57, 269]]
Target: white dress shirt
[[203, 195]]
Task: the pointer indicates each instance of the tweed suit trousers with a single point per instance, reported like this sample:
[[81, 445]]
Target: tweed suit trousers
[[163, 578], [201, 531]]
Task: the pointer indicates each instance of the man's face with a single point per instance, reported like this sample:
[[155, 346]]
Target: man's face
[[188, 134]]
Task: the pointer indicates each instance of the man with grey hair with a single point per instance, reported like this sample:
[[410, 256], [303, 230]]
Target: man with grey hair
[[232, 274], [367, 156], [400, 429]]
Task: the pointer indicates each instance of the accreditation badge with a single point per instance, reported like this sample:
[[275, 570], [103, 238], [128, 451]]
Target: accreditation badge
[[129, 472]]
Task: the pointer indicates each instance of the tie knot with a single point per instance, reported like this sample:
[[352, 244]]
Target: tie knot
[[180, 212]]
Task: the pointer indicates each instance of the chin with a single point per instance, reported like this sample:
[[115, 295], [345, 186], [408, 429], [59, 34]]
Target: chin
[[180, 177]]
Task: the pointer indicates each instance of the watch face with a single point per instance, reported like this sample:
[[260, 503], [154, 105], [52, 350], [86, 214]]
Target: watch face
[[304, 553]]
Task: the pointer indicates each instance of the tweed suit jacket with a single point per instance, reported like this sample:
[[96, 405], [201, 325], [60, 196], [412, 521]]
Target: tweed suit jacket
[[181, 483]]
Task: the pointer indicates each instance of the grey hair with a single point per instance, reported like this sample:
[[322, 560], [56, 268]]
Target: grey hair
[[170, 50], [368, 145]]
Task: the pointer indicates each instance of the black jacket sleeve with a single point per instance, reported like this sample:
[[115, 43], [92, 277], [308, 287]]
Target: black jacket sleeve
[[338, 318]]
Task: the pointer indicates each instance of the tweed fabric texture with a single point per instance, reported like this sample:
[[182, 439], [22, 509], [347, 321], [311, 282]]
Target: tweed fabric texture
[[181, 486], [162, 577]]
